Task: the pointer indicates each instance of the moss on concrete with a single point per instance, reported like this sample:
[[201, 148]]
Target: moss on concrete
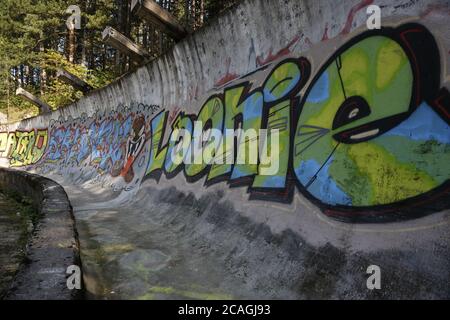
[[17, 220]]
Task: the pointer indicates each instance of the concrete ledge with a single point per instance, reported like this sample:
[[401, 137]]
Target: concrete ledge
[[54, 244]]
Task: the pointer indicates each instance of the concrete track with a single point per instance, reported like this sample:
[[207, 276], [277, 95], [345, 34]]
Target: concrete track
[[204, 248], [364, 159]]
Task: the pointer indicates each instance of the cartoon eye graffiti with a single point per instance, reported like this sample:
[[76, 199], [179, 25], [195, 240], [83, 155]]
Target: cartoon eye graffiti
[[368, 133], [352, 109]]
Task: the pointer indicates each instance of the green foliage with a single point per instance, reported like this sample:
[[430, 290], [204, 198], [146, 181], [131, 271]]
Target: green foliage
[[35, 43], [60, 94], [22, 204], [33, 46]]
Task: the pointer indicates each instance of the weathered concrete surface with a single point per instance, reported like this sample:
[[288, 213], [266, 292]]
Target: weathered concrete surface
[[15, 227], [54, 244], [181, 246], [179, 236]]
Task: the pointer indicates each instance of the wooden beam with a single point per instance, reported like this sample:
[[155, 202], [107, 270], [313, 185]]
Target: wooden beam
[[117, 40], [43, 107], [150, 11], [73, 80]]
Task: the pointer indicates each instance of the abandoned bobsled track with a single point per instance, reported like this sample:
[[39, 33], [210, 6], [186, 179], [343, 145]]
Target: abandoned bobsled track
[[363, 180]]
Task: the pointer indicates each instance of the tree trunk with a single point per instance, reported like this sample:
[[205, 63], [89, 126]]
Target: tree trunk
[[72, 45], [43, 74], [201, 13], [27, 75], [21, 75]]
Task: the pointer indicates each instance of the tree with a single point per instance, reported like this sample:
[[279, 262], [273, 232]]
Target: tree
[[35, 42]]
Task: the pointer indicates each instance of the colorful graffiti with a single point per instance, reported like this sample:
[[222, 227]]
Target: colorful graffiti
[[369, 138], [23, 148], [366, 138], [104, 144], [372, 130]]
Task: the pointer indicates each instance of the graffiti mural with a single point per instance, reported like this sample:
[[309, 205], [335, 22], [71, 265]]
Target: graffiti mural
[[370, 138], [135, 143], [99, 146], [373, 130], [365, 135], [23, 148]]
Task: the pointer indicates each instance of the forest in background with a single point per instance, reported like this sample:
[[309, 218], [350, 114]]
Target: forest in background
[[35, 42]]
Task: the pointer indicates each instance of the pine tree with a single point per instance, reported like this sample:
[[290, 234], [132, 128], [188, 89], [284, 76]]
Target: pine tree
[[35, 42]]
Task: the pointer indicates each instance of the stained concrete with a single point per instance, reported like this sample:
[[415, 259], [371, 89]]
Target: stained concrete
[[15, 227], [175, 239], [182, 246], [53, 245]]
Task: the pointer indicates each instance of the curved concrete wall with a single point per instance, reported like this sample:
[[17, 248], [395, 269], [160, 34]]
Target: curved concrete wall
[[52, 246], [363, 117]]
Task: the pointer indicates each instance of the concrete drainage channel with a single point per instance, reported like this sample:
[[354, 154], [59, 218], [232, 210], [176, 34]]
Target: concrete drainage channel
[[52, 247]]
